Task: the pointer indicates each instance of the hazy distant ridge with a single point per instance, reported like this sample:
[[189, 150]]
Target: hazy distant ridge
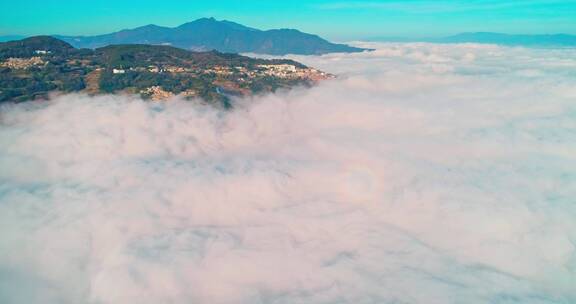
[[551, 40], [505, 39], [224, 36]]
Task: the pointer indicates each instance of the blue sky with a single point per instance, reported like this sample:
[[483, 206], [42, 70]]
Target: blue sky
[[338, 20]]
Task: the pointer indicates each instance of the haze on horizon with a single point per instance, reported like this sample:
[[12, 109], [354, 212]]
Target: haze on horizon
[[336, 20]]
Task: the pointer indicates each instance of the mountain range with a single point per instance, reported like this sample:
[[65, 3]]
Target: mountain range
[[207, 34], [210, 34]]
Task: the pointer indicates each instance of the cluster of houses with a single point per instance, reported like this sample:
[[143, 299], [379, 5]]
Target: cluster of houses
[[219, 70], [42, 52], [291, 71], [276, 70], [22, 63], [288, 71], [154, 69], [156, 93]]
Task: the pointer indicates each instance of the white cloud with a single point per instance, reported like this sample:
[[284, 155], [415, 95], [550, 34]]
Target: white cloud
[[424, 174]]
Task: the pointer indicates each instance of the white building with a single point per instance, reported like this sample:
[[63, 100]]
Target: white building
[[118, 71]]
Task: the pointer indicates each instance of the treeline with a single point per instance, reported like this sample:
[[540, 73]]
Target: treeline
[[33, 83], [175, 83], [28, 47]]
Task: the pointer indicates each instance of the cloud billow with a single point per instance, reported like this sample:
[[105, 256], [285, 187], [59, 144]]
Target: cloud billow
[[423, 174]]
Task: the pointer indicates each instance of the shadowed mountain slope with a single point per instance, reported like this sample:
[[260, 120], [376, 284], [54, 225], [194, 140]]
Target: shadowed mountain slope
[[224, 36]]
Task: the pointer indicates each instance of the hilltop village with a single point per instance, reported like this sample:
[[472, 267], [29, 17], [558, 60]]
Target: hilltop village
[[34, 67]]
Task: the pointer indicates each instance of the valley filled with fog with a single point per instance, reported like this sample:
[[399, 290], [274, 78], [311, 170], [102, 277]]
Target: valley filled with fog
[[424, 173]]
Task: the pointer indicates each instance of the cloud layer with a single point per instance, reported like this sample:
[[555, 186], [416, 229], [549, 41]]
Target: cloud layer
[[424, 174]]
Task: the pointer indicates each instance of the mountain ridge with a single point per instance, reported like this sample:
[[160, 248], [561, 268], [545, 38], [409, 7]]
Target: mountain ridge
[[210, 34]]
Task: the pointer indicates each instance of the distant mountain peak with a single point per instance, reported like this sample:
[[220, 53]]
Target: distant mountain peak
[[201, 20], [151, 26], [211, 21], [220, 35]]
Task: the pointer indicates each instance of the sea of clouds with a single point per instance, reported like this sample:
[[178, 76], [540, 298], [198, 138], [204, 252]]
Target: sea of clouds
[[423, 174]]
